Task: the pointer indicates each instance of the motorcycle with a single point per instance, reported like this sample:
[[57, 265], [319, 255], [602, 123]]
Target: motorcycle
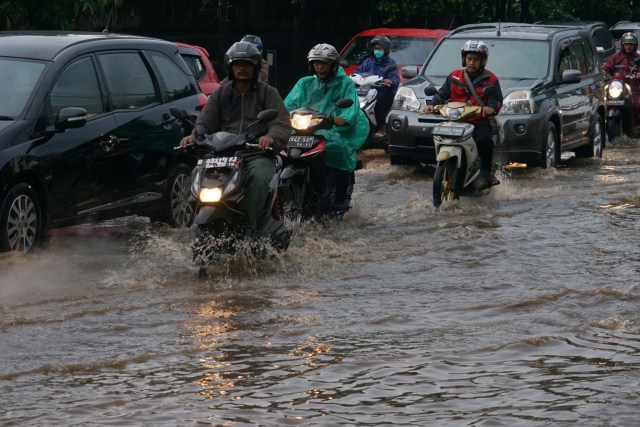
[[623, 111], [218, 186], [458, 165], [307, 188], [367, 87]]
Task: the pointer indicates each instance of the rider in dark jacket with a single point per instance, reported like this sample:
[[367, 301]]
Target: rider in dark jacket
[[379, 64], [237, 110]]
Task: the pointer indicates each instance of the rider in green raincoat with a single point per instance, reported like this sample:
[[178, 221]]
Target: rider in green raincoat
[[320, 92]]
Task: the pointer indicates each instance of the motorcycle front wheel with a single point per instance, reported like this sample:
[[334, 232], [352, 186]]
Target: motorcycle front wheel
[[614, 128], [445, 182]]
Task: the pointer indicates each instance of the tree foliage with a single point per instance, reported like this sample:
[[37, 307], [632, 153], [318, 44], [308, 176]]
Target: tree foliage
[[288, 15]]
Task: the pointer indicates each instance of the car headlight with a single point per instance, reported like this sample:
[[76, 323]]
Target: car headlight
[[406, 99], [615, 89], [518, 102]]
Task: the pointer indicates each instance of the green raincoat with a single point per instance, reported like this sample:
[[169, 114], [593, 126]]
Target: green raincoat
[[342, 142]]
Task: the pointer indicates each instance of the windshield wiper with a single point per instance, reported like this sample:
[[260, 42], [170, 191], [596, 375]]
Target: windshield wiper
[[6, 118]]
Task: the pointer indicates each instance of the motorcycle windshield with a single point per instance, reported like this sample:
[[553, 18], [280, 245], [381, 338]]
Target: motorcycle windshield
[[222, 141]]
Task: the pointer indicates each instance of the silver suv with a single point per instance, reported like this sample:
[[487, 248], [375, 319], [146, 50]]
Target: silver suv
[[553, 94]]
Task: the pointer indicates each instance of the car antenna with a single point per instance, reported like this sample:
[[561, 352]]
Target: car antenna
[[499, 24], [106, 27]]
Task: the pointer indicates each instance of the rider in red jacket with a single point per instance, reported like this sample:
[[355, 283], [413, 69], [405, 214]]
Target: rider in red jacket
[[619, 65], [474, 58]]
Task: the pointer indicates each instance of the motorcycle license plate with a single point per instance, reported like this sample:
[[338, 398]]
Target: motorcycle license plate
[[363, 90], [615, 103], [300, 141], [220, 162]]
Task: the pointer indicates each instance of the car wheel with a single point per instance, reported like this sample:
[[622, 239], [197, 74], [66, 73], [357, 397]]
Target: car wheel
[[550, 148], [444, 182], [21, 222], [179, 207], [596, 143]]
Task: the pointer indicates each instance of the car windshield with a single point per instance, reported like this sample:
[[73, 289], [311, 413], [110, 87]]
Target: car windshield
[[405, 50], [508, 59], [18, 80]]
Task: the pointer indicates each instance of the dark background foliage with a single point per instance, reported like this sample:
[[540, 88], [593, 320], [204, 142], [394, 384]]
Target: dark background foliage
[[289, 28]]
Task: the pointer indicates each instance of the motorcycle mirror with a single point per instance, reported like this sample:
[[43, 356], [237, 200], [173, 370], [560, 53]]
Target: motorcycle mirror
[[178, 113], [430, 90], [344, 103], [390, 68], [267, 115]]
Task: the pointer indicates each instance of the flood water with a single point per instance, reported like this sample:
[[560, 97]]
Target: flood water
[[515, 309]]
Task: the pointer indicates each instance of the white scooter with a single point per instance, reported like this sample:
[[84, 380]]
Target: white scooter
[[458, 165], [367, 87]]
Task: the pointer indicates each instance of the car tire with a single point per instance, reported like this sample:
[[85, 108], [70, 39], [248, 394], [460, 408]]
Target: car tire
[[596, 143], [21, 220], [445, 182], [549, 157], [178, 209]]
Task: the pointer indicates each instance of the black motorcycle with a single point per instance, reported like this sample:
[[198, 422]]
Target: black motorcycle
[[306, 186], [218, 186]]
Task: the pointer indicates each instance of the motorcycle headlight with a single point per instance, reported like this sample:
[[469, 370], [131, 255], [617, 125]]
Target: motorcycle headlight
[[615, 89], [406, 99], [518, 102], [453, 113], [303, 121], [210, 195]]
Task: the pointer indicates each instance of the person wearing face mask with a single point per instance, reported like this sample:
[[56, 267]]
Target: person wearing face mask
[[379, 64]]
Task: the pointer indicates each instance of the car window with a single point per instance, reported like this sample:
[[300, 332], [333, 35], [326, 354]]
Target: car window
[[581, 61], [408, 50], [513, 59], [77, 86], [405, 50], [565, 62], [177, 82], [603, 38], [130, 84], [195, 65], [18, 80]]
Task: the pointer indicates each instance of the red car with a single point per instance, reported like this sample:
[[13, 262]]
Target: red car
[[197, 58], [409, 46]]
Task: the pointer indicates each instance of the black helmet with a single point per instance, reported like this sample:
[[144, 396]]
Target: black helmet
[[384, 41], [629, 38], [256, 40], [243, 51], [326, 53]]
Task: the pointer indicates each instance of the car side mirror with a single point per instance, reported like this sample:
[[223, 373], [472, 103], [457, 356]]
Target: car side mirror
[[409, 71], [71, 118], [571, 76]]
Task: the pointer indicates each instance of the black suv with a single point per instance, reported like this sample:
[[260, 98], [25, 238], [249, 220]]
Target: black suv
[[86, 133], [553, 94]]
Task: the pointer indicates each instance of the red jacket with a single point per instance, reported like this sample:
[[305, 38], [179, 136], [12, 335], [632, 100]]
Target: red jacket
[[620, 63], [455, 89]]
